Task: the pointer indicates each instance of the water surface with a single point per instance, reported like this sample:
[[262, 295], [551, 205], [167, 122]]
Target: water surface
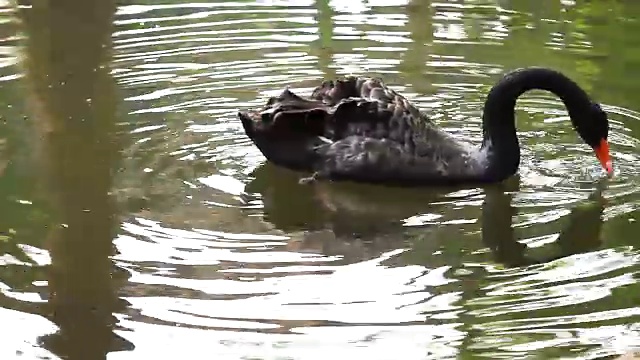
[[140, 222]]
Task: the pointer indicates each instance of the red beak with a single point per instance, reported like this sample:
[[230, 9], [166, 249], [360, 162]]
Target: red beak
[[602, 153]]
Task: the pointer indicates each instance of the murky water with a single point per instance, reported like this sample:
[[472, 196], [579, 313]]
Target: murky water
[[208, 252]]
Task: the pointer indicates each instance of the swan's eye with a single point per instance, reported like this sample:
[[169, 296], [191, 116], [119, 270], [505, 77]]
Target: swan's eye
[[596, 127], [596, 109], [600, 117]]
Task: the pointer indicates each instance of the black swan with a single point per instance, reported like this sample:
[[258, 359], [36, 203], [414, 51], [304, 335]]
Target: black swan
[[358, 129]]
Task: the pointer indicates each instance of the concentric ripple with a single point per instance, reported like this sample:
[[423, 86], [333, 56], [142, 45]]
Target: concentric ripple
[[275, 269]]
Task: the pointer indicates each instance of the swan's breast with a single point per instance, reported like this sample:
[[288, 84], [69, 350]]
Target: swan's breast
[[477, 159]]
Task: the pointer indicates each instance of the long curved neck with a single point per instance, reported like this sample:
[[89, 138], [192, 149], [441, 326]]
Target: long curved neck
[[498, 119]]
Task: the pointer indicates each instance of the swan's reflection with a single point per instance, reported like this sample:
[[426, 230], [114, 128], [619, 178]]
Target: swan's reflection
[[344, 214], [580, 234]]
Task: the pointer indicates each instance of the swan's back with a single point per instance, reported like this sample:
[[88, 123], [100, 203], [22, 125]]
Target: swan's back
[[359, 129], [366, 107]]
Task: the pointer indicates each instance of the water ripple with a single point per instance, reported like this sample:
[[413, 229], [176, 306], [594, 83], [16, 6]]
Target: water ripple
[[244, 250], [232, 258]]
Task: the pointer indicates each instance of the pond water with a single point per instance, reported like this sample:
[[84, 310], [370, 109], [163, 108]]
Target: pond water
[[138, 221]]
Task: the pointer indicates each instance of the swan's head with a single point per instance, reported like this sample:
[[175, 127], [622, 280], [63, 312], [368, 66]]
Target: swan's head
[[593, 128]]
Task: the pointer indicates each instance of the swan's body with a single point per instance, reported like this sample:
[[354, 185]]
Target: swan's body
[[359, 129]]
